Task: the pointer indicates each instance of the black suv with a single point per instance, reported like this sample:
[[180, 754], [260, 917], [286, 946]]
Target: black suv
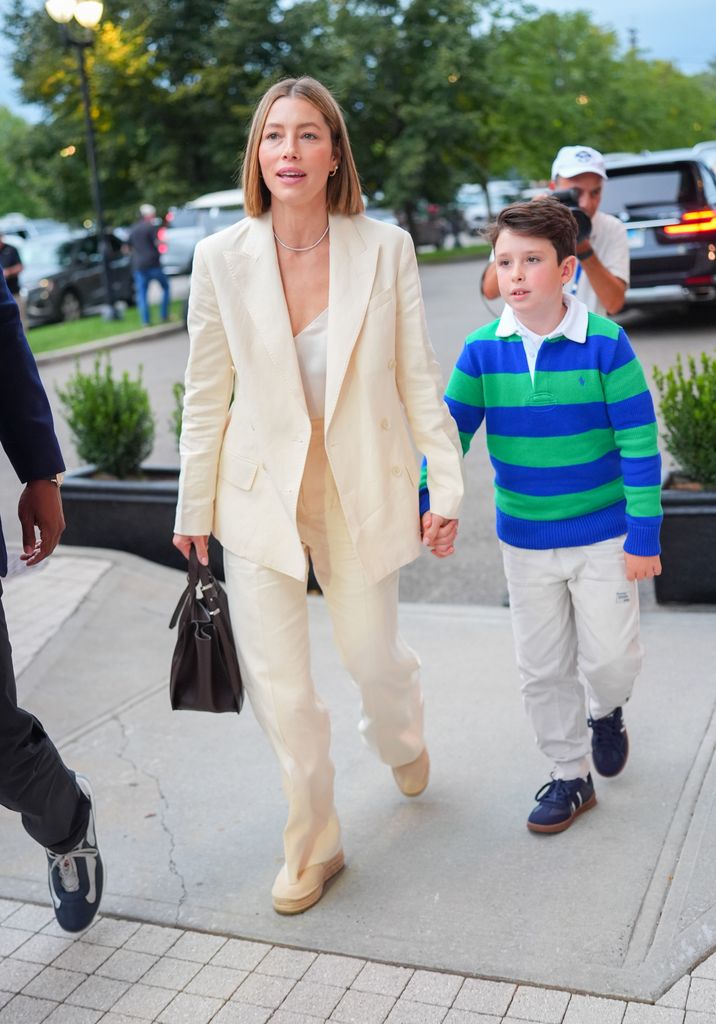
[[62, 277], [667, 200]]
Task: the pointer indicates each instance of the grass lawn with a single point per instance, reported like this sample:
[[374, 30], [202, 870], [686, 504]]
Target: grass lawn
[[94, 328], [457, 255]]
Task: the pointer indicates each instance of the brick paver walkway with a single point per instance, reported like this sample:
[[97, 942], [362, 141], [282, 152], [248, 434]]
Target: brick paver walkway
[[124, 972]]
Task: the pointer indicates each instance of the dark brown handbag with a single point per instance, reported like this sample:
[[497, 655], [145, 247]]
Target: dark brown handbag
[[205, 672]]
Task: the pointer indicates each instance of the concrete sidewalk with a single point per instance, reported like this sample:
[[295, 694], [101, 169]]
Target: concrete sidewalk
[[191, 810]]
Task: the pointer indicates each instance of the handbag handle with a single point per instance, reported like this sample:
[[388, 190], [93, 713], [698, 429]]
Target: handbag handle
[[200, 576]]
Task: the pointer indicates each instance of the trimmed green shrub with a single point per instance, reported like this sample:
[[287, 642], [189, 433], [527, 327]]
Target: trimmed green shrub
[[111, 420], [176, 416], [688, 409]]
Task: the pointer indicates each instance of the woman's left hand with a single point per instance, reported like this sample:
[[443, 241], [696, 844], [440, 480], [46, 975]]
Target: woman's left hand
[[184, 541], [439, 534]]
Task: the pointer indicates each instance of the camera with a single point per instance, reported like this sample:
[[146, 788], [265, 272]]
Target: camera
[[569, 197]]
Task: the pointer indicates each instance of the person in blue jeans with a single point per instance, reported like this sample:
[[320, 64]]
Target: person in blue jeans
[[146, 262]]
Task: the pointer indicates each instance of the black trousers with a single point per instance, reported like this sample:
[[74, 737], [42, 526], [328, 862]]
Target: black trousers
[[33, 777]]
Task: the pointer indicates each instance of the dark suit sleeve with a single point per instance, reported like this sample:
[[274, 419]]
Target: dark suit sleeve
[[26, 429]]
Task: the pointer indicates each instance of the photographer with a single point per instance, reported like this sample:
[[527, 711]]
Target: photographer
[[602, 275]]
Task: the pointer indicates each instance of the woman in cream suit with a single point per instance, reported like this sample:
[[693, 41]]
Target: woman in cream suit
[[310, 315]]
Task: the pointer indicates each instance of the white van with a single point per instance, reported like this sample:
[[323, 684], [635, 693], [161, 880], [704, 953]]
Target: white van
[[187, 225]]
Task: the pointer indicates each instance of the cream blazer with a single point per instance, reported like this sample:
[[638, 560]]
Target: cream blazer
[[242, 463]]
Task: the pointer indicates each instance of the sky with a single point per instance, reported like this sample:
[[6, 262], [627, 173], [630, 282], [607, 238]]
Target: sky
[[681, 31]]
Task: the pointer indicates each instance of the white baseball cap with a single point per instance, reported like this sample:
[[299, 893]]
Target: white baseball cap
[[147, 210], [574, 160]]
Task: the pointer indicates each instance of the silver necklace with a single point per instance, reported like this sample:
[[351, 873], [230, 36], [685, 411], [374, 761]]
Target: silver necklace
[[307, 248]]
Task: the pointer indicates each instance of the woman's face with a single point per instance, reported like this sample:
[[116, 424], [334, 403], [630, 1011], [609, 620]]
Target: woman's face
[[296, 152]]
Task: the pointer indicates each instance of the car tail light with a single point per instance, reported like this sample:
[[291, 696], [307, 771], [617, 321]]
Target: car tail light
[[162, 234], [693, 223]]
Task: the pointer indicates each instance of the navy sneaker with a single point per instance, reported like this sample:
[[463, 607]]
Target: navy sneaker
[[559, 802], [77, 878], [610, 743]]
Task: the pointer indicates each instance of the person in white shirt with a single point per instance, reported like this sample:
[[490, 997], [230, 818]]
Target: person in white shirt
[[602, 275]]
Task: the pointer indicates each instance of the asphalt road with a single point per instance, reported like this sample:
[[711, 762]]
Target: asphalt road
[[454, 308]]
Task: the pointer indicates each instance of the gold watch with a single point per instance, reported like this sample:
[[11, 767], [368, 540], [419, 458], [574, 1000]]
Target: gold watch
[[57, 479]]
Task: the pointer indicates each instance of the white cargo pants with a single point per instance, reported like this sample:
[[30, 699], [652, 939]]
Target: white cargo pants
[[269, 612], [575, 619]]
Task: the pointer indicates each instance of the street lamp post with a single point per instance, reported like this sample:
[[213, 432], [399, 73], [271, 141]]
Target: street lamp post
[[88, 13]]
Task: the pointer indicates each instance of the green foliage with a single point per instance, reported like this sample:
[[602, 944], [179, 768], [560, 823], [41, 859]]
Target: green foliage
[[111, 421], [688, 409], [21, 185], [560, 78], [435, 92], [176, 417]]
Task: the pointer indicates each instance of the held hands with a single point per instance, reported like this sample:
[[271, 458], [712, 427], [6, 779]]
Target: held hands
[[184, 541], [642, 567], [40, 507], [439, 534]]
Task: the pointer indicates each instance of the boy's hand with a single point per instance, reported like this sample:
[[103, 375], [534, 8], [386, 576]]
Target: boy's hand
[[439, 534], [642, 567]]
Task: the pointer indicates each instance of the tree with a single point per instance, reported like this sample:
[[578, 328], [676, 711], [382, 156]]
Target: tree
[[21, 186], [562, 79], [436, 93]]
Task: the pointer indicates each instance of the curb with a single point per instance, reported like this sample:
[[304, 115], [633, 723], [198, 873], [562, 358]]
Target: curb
[[57, 355]]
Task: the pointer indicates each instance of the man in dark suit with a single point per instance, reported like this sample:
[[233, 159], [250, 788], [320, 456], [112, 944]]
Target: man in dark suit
[[56, 805]]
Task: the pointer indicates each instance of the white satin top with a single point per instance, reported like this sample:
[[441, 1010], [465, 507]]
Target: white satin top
[[312, 352]]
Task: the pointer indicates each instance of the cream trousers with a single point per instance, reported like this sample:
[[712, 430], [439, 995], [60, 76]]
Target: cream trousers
[[269, 611], [575, 620]]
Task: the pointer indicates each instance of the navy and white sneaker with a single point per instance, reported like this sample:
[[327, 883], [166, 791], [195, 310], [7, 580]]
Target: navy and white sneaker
[[610, 743], [559, 802], [77, 878]]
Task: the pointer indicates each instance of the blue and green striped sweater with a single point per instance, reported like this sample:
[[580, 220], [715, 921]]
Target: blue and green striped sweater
[[575, 453]]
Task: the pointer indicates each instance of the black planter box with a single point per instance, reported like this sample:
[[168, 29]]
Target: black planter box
[[133, 515], [688, 547], [128, 515]]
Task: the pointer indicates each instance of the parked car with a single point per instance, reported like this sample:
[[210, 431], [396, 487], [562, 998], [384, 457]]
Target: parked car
[[63, 278], [177, 237], [184, 226], [472, 200], [430, 224], [381, 213], [667, 200], [707, 151], [29, 227]]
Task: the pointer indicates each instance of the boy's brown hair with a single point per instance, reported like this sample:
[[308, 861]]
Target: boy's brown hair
[[540, 218]]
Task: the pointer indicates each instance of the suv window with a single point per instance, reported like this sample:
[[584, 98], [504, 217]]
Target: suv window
[[709, 187], [64, 254], [181, 218], [87, 249], [668, 185]]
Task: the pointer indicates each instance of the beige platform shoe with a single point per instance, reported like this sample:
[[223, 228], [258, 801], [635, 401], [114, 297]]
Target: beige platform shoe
[[413, 778], [294, 899]]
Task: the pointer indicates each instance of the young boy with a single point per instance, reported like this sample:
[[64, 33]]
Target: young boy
[[573, 440]]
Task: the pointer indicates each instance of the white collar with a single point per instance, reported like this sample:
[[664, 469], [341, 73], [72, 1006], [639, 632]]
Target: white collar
[[573, 325]]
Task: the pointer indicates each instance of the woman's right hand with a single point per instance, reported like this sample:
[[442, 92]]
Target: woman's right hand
[[184, 541]]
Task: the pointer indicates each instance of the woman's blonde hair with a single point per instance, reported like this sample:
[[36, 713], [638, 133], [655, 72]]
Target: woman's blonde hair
[[344, 191]]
